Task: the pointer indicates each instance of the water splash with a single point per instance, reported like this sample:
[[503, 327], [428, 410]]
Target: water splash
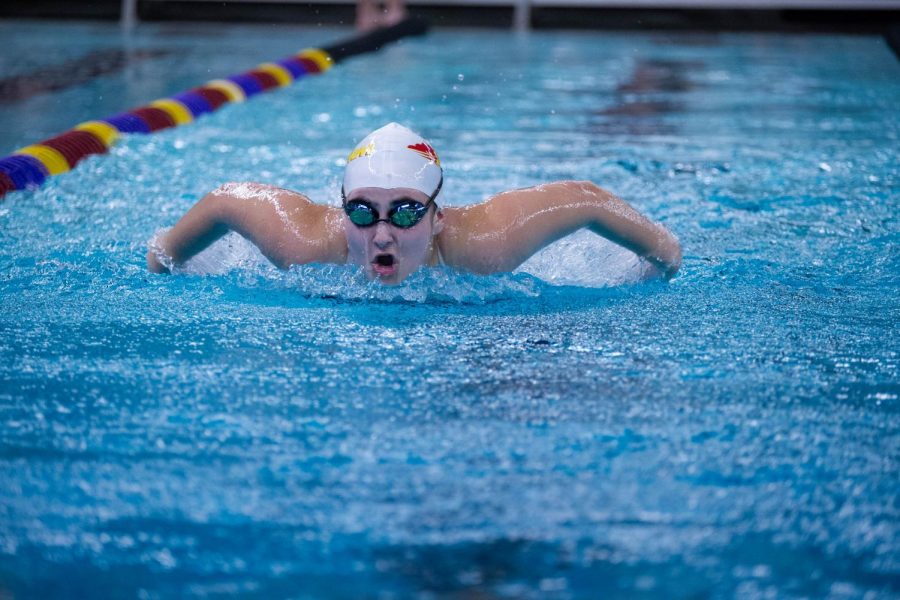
[[426, 286], [583, 259]]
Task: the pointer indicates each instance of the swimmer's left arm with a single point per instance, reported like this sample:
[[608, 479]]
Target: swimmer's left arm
[[507, 229], [621, 223], [286, 226]]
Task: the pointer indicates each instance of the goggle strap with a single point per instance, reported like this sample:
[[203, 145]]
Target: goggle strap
[[436, 192]]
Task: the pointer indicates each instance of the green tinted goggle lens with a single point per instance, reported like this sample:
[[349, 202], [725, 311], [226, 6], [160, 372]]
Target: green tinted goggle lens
[[403, 215], [360, 216]]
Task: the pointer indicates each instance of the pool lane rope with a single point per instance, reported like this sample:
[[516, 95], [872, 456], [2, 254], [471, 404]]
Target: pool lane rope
[[29, 167]]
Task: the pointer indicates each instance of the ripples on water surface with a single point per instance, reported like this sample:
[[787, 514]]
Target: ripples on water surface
[[238, 430]]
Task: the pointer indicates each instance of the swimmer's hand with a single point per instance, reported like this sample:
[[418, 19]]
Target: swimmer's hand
[[153, 263], [667, 257]]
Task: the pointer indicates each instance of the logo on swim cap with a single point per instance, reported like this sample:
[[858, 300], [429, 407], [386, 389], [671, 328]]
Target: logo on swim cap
[[393, 157], [366, 151], [426, 151]]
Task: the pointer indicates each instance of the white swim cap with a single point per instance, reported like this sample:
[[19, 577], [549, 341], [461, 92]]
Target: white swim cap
[[394, 157]]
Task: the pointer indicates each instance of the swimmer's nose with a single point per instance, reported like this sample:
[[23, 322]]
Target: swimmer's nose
[[383, 236]]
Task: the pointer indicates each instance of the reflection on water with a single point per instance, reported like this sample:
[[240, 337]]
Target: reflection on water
[[71, 73], [645, 101]]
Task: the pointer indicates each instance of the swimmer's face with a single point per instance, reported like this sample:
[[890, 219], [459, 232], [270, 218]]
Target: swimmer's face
[[387, 252]]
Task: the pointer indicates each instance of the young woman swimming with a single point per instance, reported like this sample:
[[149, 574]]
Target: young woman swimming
[[390, 224]]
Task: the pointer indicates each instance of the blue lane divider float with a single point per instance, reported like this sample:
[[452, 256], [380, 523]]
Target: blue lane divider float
[[28, 167]]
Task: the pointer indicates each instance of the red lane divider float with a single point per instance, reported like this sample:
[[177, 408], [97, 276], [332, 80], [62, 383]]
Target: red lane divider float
[[29, 167]]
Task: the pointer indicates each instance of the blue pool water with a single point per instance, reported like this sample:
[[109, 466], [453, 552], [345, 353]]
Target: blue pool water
[[562, 432]]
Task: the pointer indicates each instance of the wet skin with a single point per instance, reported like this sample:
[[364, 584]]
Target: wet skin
[[496, 235], [387, 252]]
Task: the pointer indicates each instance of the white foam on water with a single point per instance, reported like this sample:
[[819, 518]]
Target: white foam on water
[[230, 252], [587, 260], [427, 285]]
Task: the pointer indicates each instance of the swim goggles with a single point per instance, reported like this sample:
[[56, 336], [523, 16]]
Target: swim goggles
[[405, 214]]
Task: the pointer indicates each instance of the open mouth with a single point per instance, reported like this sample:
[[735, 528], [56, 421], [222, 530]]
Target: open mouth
[[384, 264]]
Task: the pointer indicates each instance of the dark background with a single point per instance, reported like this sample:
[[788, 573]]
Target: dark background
[[844, 21]]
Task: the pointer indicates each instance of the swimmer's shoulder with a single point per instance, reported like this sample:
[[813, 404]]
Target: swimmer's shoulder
[[308, 231], [487, 237], [252, 192], [293, 204], [467, 240]]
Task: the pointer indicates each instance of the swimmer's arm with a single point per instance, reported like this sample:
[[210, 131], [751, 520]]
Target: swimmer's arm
[[286, 227], [503, 232]]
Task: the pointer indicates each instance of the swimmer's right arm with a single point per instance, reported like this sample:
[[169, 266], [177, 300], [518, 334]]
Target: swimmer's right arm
[[202, 225], [286, 227]]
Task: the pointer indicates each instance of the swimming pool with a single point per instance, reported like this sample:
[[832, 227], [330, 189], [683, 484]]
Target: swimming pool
[[237, 430]]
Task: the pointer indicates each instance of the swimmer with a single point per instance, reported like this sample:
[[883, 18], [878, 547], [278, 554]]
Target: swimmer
[[390, 222]]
